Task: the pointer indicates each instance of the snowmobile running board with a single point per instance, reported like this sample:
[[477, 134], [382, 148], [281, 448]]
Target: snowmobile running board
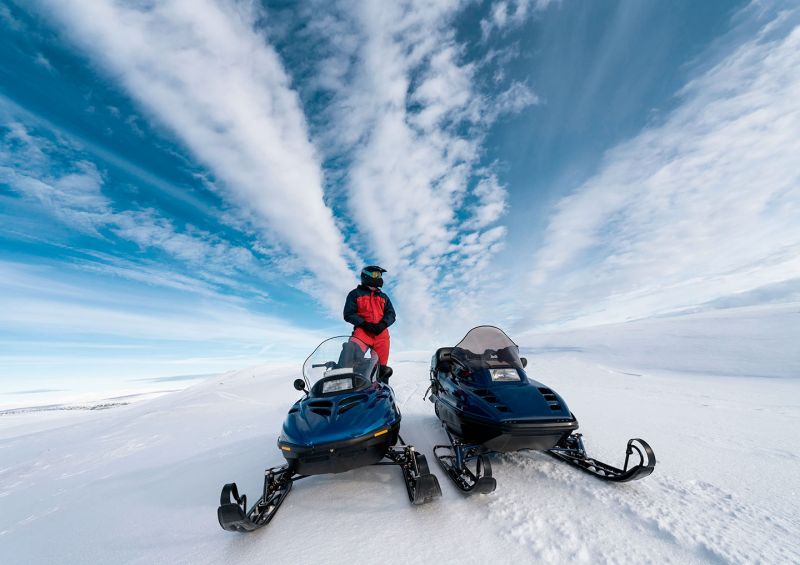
[[571, 451], [421, 485]]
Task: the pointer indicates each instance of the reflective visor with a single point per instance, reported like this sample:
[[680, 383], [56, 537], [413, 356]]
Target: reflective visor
[[372, 274]]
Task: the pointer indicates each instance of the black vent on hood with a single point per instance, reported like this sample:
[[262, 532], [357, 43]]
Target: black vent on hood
[[321, 407], [489, 396], [347, 403], [551, 399]]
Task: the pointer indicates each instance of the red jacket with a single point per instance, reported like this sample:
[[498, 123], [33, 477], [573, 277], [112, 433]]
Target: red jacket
[[371, 306]]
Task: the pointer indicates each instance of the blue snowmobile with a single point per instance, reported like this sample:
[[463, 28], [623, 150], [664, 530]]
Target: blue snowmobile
[[488, 404], [346, 419]]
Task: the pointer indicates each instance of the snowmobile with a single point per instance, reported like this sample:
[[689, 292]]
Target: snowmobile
[[488, 404], [346, 419]]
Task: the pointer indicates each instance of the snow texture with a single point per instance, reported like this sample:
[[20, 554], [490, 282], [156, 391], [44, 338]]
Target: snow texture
[[140, 483]]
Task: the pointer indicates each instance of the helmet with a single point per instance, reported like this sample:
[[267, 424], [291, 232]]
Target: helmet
[[371, 276]]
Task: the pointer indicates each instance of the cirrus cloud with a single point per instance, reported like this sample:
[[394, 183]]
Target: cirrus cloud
[[203, 69], [700, 207], [409, 113]]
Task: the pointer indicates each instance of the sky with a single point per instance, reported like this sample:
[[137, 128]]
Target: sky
[[192, 186]]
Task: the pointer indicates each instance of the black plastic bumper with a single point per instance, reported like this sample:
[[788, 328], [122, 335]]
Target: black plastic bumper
[[504, 435], [339, 456]]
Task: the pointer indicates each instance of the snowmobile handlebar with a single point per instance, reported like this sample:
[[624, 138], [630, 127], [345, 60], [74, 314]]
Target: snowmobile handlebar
[[327, 365], [461, 364]]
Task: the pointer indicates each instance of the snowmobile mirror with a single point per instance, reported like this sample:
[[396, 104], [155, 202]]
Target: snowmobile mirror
[[524, 362], [300, 384]]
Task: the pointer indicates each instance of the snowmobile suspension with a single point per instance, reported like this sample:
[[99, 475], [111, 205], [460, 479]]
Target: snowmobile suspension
[[421, 485], [453, 459]]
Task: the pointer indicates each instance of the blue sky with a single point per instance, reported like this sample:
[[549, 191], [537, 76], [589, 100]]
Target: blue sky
[[192, 186]]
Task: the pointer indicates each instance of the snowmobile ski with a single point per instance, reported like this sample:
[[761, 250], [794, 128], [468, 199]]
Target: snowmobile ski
[[571, 451], [232, 512]]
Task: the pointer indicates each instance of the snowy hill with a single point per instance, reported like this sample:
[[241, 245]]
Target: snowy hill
[[140, 483], [757, 341]]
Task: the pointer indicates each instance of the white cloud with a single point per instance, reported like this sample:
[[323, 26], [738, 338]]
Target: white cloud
[[8, 19], [148, 230], [516, 98], [57, 179], [491, 203], [43, 61], [202, 68], [73, 197], [703, 206], [505, 14], [33, 301], [409, 115], [150, 273], [62, 315]]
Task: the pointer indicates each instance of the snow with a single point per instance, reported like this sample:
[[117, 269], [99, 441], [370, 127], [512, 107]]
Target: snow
[[760, 341], [140, 483], [83, 393]]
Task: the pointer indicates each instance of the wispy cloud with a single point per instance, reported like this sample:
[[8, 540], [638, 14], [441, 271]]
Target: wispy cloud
[[56, 179], [702, 206], [409, 110], [53, 310], [8, 18], [204, 70], [374, 147], [199, 282], [409, 114], [508, 14]]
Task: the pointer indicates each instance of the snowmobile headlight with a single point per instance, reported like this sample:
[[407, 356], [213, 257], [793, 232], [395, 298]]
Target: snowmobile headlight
[[337, 385], [506, 374]]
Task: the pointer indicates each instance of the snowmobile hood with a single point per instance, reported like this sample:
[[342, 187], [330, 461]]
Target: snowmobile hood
[[313, 421], [526, 400]]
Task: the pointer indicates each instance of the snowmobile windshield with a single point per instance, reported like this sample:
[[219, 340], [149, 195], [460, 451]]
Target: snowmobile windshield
[[487, 347], [340, 364]]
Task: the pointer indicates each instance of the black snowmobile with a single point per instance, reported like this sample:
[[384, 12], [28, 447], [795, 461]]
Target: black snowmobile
[[487, 404], [347, 419]]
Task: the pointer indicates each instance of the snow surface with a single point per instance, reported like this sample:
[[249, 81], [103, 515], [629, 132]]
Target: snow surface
[[140, 483]]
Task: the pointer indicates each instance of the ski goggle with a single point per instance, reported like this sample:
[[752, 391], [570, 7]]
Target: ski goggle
[[372, 274]]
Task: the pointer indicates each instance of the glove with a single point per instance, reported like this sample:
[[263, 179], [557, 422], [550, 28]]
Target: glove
[[373, 329]]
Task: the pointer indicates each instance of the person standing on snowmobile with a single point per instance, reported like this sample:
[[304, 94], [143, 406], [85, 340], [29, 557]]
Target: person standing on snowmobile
[[371, 313]]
